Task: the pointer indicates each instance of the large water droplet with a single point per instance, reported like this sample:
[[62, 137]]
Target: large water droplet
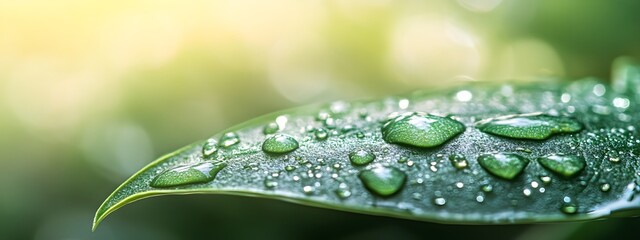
[[279, 143], [504, 165], [529, 126], [229, 139], [188, 174], [209, 148], [361, 157], [383, 181], [420, 129], [565, 165]]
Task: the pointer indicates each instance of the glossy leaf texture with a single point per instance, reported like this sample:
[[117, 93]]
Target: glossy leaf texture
[[551, 151]]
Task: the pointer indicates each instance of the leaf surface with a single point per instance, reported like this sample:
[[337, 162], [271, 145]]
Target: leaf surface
[[442, 183]]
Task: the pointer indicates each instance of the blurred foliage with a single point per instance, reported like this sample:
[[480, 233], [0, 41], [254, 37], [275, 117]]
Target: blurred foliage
[[92, 91]]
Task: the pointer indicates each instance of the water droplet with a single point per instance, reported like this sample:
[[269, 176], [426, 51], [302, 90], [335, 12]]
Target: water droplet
[[361, 157], [464, 96], [534, 184], [480, 198], [209, 148], [486, 188], [605, 187], [569, 208], [420, 129], [526, 192], [383, 181], [565, 165], [545, 179], [308, 189], [403, 103], [529, 126], [458, 161], [504, 165], [279, 143], [599, 90], [565, 98], [621, 102], [321, 133], [330, 123], [229, 139], [270, 128], [187, 174], [614, 159], [270, 183], [343, 193], [459, 184], [440, 201], [339, 107], [416, 196], [289, 168]]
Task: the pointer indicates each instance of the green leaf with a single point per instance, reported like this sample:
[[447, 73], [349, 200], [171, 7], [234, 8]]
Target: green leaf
[[416, 156]]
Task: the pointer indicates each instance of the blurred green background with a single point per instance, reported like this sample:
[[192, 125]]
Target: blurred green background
[[91, 91]]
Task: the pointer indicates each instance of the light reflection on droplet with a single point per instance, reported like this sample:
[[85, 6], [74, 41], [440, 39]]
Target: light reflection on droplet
[[403, 103], [464, 96], [565, 98]]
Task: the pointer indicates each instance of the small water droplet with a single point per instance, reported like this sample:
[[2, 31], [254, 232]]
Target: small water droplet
[[459, 184], [321, 133], [605, 187], [403, 103], [569, 208], [270, 128], [229, 139], [279, 143], [270, 183], [534, 184], [526, 192], [209, 148], [464, 96], [343, 193], [416, 196], [187, 174], [458, 161], [503, 165], [383, 181], [420, 129], [564, 165], [289, 168], [361, 157], [545, 179], [480, 198], [529, 126], [330, 123], [308, 189], [486, 188], [440, 201], [599, 90], [614, 159], [565, 98], [403, 160], [621, 102]]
